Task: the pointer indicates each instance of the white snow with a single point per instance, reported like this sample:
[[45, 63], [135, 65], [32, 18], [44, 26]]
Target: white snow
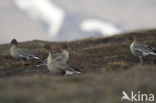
[[53, 17], [95, 25], [45, 11]]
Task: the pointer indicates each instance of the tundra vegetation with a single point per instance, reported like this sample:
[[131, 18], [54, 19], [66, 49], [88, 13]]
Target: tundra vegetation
[[107, 67]]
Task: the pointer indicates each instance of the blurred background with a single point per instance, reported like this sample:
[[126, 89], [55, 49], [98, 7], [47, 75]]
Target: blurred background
[[65, 20]]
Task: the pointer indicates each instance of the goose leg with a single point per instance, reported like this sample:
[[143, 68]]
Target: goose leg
[[22, 62], [141, 60]]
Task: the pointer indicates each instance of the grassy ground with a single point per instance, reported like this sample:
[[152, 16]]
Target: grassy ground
[[107, 68]]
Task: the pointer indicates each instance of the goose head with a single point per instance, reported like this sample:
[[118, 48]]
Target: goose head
[[14, 42], [132, 38], [48, 47]]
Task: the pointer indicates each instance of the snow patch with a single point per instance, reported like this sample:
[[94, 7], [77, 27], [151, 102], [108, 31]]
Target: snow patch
[[45, 11], [95, 25]]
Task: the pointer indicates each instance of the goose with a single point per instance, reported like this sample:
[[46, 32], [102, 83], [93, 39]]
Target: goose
[[63, 56], [20, 53], [141, 50], [58, 66]]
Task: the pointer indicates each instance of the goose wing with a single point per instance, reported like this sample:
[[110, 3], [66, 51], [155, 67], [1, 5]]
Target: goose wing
[[144, 49], [57, 57], [67, 68], [43, 62], [60, 57], [26, 54]]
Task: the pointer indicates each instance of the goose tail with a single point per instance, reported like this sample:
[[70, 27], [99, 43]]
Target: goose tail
[[36, 57], [153, 53], [71, 73]]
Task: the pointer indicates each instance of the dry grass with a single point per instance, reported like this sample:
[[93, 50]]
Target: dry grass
[[107, 68]]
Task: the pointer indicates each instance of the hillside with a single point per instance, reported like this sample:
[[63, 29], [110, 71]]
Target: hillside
[[107, 68]]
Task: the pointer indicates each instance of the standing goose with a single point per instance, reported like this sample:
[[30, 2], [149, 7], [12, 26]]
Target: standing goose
[[58, 66], [20, 53], [141, 50], [63, 56]]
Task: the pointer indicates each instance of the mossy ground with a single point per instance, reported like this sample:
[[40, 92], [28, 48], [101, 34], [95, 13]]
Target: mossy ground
[[107, 68]]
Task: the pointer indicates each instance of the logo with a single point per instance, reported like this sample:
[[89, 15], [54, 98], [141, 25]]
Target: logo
[[137, 96]]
